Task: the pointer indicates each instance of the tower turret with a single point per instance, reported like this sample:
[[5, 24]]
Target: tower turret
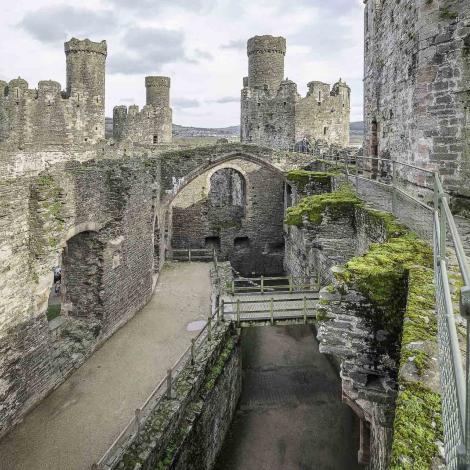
[[86, 84], [158, 91], [266, 61]]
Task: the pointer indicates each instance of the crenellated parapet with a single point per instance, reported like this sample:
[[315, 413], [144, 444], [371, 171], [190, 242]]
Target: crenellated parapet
[[275, 115], [153, 124], [48, 118]]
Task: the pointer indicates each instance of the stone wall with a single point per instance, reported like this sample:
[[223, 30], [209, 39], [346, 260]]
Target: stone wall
[[417, 87], [246, 229], [96, 221], [187, 431], [47, 117], [274, 114]]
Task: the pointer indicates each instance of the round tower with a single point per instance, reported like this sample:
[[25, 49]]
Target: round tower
[[86, 86], [85, 67], [158, 91], [266, 61]]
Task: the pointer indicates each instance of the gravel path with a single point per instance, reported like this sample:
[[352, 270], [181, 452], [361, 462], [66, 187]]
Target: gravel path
[[74, 425]]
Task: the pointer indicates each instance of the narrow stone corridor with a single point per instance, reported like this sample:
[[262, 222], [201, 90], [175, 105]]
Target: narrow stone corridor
[[290, 415], [75, 424]]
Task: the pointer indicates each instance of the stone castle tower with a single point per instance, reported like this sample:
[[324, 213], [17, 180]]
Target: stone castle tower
[[151, 125], [272, 111], [47, 117]]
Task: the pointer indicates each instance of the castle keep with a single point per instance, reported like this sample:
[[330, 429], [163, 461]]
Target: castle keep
[[151, 125], [272, 111]]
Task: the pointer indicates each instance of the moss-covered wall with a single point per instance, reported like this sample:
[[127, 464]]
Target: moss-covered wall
[[378, 317], [187, 431]]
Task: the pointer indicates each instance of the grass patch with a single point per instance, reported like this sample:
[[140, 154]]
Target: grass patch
[[53, 311]]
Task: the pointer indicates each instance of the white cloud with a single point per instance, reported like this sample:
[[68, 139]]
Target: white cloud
[[200, 44]]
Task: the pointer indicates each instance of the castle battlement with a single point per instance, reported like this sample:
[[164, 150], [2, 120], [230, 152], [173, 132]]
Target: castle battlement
[[153, 123], [85, 45], [48, 118], [275, 115]]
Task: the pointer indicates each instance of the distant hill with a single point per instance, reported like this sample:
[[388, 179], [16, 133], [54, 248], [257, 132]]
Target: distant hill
[[356, 129], [183, 131]]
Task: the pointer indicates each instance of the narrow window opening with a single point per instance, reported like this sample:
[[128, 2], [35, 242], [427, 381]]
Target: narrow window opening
[[155, 139], [325, 130], [241, 242], [212, 243]]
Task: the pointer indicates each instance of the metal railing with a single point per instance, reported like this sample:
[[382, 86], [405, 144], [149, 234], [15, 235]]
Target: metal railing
[[455, 383], [424, 189]]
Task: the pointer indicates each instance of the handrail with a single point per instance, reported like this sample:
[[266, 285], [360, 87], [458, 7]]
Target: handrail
[[455, 382], [162, 390]]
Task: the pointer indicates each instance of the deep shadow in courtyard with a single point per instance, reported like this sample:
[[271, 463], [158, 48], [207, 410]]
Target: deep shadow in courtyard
[[290, 414]]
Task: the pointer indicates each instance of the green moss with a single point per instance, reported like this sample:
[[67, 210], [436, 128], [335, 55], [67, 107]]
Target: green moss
[[380, 273], [417, 428], [219, 365], [312, 208], [53, 311], [302, 178], [447, 14]]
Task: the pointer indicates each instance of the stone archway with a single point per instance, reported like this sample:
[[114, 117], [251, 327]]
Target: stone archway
[[236, 207]]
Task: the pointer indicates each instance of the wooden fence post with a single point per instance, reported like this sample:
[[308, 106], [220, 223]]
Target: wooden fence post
[[168, 383], [193, 351], [305, 309], [209, 329], [238, 313]]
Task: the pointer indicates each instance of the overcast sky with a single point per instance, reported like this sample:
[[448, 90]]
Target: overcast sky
[[200, 44]]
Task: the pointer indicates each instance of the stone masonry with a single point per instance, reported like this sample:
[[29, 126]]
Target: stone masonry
[[274, 114], [153, 124], [417, 88]]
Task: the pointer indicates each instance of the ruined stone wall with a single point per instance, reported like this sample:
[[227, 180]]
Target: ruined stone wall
[[47, 117], [153, 124], [101, 220], [188, 430], [273, 113], [248, 232], [324, 114], [96, 220], [368, 362], [417, 86]]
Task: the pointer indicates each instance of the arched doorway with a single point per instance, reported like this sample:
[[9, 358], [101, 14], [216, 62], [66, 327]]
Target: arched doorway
[[82, 275], [226, 200]]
